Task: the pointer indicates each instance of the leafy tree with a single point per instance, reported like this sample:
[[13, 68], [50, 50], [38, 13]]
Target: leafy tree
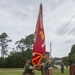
[[72, 50], [16, 59], [25, 43], [66, 60], [72, 55], [73, 58], [1, 62], [3, 43]]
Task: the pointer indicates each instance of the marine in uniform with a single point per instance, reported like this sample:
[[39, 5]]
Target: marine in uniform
[[47, 65], [28, 68]]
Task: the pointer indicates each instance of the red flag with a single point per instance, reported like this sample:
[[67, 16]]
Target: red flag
[[39, 40]]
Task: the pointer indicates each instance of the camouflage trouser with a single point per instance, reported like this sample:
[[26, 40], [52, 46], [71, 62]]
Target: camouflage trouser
[[27, 73]]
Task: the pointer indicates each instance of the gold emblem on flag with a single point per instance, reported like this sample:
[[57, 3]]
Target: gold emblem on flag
[[42, 36]]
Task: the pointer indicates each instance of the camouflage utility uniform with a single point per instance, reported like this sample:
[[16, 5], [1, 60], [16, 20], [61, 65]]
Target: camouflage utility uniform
[[47, 66], [28, 70]]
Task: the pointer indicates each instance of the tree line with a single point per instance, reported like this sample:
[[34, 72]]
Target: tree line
[[17, 57], [70, 59]]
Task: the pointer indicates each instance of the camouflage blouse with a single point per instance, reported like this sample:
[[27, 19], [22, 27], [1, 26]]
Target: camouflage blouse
[[47, 66]]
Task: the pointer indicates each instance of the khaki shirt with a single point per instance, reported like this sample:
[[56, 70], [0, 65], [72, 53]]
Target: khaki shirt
[[47, 66]]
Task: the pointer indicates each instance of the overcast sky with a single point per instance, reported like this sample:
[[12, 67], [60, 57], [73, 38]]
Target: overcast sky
[[18, 18]]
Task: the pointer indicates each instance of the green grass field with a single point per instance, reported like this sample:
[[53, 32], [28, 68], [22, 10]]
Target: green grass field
[[19, 71]]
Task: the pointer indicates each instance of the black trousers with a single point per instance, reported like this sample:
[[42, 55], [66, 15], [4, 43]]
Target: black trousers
[[62, 70]]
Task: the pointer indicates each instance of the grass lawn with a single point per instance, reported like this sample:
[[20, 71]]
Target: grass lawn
[[58, 72], [19, 71], [11, 71]]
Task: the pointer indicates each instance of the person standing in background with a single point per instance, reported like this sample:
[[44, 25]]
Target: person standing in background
[[62, 67]]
